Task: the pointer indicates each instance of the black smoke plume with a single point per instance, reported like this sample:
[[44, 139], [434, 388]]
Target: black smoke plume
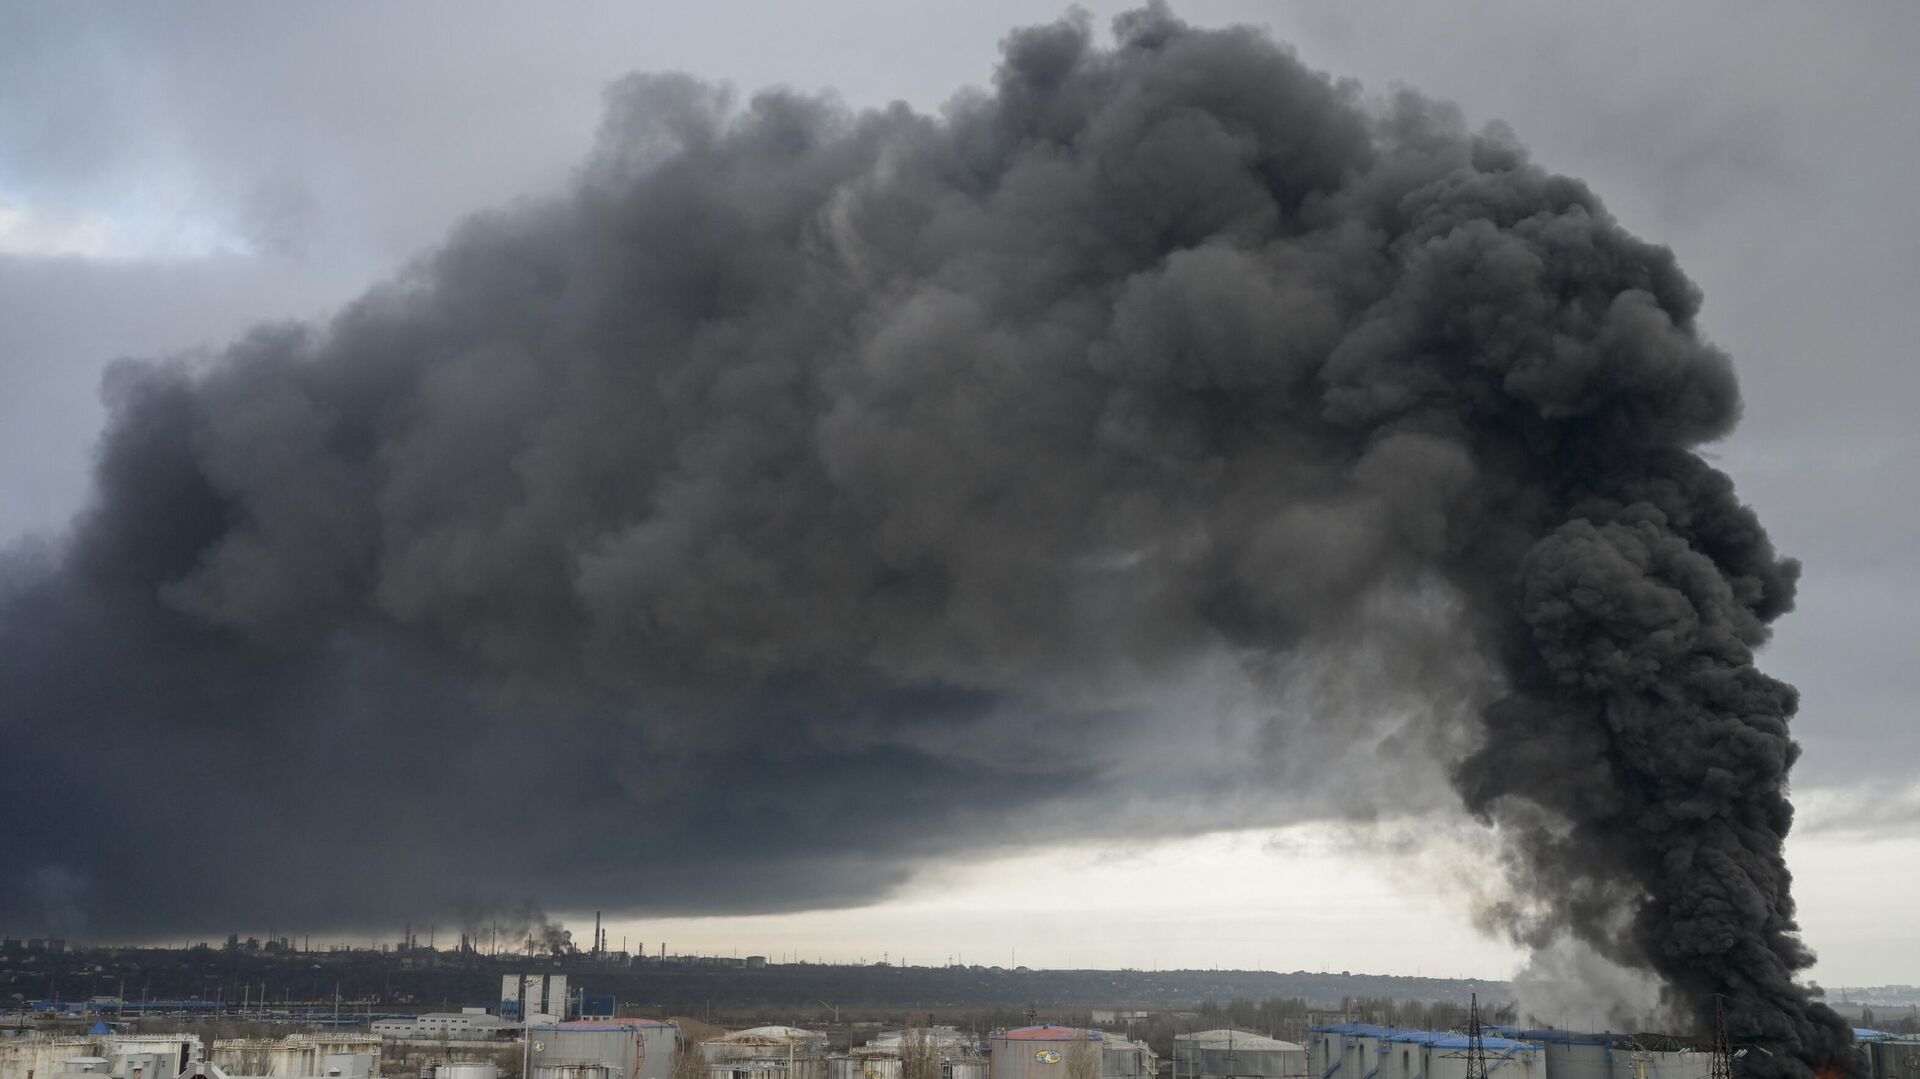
[[809, 494]]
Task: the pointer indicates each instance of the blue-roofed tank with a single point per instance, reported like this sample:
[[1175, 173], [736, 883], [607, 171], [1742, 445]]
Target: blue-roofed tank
[[1659, 1056], [1446, 1057], [1893, 1058], [1571, 1054], [1345, 1050]]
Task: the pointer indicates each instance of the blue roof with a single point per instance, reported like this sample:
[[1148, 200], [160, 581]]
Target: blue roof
[[1862, 1034], [1364, 1030], [1446, 1039], [1502, 1045], [1560, 1037], [99, 1027]]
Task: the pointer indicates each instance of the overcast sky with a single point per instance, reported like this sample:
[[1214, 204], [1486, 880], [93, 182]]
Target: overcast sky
[[170, 175]]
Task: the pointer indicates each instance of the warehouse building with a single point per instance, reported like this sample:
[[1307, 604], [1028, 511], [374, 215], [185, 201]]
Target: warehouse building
[[467, 1024]]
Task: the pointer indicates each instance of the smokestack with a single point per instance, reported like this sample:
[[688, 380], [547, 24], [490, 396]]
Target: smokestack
[[1169, 392]]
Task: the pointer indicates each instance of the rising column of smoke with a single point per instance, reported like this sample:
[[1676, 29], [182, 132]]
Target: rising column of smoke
[[810, 494]]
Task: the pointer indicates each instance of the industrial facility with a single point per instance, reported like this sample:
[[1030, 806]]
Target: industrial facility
[[602, 1049], [769, 1052], [1052, 1052], [1236, 1054], [954, 1052], [1368, 1051], [104, 1053], [535, 998], [470, 1024]]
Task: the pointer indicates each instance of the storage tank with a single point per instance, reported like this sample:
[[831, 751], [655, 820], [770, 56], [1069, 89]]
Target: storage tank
[[880, 1064], [630, 1048], [1218, 1053], [570, 1069], [1659, 1056], [1042, 1052], [353, 1066], [1571, 1054], [1123, 1058], [467, 1071], [1402, 1056], [1893, 1058], [1345, 1050], [770, 1052], [965, 1068], [1447, 1055]]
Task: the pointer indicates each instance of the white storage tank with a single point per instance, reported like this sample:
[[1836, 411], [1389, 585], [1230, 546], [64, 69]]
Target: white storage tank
[[770, 1052], [467, 1071], [1041, 1052], [354, 1066], [1210, 1054], [576, 1069], [1446, 1056], [1659, 1056], [1345, 1050], [1572, 1054]]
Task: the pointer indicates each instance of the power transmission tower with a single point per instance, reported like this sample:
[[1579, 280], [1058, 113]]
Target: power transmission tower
[[1722, 1045], [1476, 1047]]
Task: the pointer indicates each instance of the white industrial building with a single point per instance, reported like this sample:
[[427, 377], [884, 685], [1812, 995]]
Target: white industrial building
[[467, 1024], [534, 998], [1220, 1054]]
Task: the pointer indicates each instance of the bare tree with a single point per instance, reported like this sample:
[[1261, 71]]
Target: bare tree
[[919, 1052], [688, 1062], [1083, 1059]]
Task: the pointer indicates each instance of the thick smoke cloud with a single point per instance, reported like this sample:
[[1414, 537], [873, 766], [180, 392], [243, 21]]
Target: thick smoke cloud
[[1146, 444]]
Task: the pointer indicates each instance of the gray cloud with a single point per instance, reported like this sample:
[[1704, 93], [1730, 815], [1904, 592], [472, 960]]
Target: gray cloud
[[812, 491]]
